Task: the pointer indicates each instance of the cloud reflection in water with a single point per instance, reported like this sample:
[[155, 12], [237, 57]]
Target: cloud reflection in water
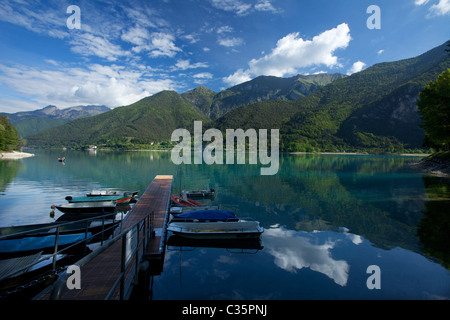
[[295, 250]]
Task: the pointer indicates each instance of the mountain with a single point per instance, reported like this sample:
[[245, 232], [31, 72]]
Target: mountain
[[265, 88], [31, 122], [152, 118], [201, 98], [56, 113], [372, 110], [155, 117]]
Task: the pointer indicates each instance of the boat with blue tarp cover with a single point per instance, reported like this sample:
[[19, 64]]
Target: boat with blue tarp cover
[[36, 243]]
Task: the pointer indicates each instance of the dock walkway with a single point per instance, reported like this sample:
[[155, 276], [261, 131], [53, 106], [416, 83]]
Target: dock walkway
[[100, 274]]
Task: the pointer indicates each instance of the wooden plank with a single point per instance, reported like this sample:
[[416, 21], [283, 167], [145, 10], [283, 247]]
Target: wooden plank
[[99, 275]]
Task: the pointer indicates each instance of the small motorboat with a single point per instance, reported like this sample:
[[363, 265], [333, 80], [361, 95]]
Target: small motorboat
[[41, 242], [62, 223], [99, 193], [185, 202], [93, 207], [205, 216], [27, 271], [16, 240], [123, 198], [178, 210], [200, 193], [217, 230]]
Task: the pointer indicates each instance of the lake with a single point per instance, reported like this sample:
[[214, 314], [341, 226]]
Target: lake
[[327, 219]]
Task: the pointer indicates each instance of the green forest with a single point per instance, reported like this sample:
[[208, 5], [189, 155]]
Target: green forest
[[9, 138], [434, 107], [372, 111]]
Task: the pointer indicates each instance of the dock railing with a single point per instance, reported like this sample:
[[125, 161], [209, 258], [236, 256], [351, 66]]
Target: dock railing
[[59, 231], [134, 242]]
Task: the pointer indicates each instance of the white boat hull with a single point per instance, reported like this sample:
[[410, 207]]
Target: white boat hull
[[216, 230]]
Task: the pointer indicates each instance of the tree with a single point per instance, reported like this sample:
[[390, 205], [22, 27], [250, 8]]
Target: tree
[[9, 138], [434, 107]]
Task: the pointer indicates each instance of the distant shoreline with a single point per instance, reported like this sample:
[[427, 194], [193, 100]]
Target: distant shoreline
[[281, 152], [15, 155], [362, 154]]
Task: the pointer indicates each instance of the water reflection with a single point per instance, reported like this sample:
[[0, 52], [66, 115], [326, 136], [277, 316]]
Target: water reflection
[[8, 172], [295, 250], [326, 218], [433, 229]]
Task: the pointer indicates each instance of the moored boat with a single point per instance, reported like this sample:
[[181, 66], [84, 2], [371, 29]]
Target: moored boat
[[205, 216], [185, 202], [94, 207], [26, 271], [123, 198], [42, 242], [98, 193], [178, 210], [67, 224], [200, 193], [217, 230], [67, 230]]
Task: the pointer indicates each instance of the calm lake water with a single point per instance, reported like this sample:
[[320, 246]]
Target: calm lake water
[[327, 218]]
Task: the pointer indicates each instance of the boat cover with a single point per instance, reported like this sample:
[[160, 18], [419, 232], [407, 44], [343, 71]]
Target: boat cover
[[206, 215], [40, 243]]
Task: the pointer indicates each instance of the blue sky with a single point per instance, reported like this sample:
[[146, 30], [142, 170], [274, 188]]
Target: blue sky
[[127, 50]]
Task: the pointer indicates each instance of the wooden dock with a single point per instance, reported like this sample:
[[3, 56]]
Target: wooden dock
[[100, 274]]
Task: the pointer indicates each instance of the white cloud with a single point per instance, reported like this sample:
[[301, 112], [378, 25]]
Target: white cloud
[[156, 44], [186, 64], [162, 44], [224, 29], [88, 44], [51, 61], [201, 78], [10, 105], [441, 8], [136, 35], [192, 38], [240, 8], [100, 33], [110, 85], [380, 52], [265, 5], [356, 67], [143, 16], [203, 75], [119, 34], [230, 42], [40, 20], [238, 77], [293, 53], [420, 2]]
